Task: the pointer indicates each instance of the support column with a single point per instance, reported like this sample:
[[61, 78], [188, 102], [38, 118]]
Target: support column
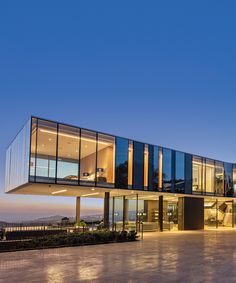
[[125, 211], [106, 210], [77, 217], [160, 213], [190, 213]]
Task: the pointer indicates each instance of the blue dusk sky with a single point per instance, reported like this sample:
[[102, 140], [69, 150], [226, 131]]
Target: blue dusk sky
[[162, 72]]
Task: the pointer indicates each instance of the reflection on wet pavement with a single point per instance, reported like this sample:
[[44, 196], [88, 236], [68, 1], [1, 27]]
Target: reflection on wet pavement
[[208, 256]]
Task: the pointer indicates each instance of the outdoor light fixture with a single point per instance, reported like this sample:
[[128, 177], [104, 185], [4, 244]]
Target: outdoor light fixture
[[58, 192]]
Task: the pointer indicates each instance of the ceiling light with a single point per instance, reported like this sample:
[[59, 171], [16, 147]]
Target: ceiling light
[[90, 194], [74, 137], [58, 192]]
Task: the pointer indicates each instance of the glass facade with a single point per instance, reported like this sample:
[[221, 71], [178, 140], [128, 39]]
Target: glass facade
[[69, 155], [210, 176], [167, 170], [88, 157], [45, 163], [121, 163], [179, 172], [138, 165], [219, 178], [105, 160], [228, 168]]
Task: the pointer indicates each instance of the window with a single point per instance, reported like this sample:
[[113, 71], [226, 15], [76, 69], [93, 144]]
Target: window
[[68, 154], [167, 170], [153, 167], [179, 172], [46, 151], [146, 153], [121, 167], [234, 180], [33, 148], [210, 173], [228, 168], [130, 165], [87, 158], [197, 173], [138, 168], [105, 160], [219, 178]]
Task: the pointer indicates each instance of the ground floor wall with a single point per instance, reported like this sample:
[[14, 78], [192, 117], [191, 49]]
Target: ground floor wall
[[168, 213]]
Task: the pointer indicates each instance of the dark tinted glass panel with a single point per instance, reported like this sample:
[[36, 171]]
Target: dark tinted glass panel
[[105, 160], [68, 154], [153, 168], [167, 169], [179, 172], [219, 178], [188, 173], [46, 151], [121, 165], [228, 179], [33, 148], [87, 157], [138, 163]]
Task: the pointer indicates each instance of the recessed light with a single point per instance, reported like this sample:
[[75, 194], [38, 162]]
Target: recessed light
[[93, 189]]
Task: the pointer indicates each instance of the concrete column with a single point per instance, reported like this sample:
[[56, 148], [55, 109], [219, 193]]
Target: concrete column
[[125, 211], [77, 217], [160, 213], [190, 213], [106, 210]]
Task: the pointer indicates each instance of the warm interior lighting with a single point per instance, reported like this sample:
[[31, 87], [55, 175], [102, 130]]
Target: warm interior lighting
[[90, 194], [58, 192], [72, 136]]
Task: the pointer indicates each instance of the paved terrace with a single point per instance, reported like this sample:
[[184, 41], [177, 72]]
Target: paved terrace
[[208, 256]]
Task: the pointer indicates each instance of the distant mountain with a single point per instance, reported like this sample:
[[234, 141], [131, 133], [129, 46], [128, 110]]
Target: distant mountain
[[50, 219]]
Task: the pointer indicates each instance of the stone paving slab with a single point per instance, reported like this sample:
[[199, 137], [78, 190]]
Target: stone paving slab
[[203, 256]]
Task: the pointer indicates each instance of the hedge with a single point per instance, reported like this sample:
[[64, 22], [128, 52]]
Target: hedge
[[69, 240]]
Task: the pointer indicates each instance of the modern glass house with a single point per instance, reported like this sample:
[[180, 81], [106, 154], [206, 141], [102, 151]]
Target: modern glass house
[[164, 189]]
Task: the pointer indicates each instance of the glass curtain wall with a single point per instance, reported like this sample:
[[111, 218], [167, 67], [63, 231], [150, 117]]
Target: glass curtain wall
[[68, 155], [46, 151], [219, 178], [234, 179], [105, 160], [210, 177], [33, 148], [198, 175], [167, 170], [146, 154], [138, 165], [121, 164], [153, 165], [130, 165], [228, 168], [179, 172], [88, 158]]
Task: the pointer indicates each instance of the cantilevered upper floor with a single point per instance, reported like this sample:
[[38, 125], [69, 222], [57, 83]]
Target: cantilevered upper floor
[[48, 154]]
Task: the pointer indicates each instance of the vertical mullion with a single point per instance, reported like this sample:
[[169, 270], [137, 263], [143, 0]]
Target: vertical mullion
[[80, 145], [96, 159], [57, 152], [36, 150]]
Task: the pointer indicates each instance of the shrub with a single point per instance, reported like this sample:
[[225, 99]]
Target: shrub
[[74, 239]]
